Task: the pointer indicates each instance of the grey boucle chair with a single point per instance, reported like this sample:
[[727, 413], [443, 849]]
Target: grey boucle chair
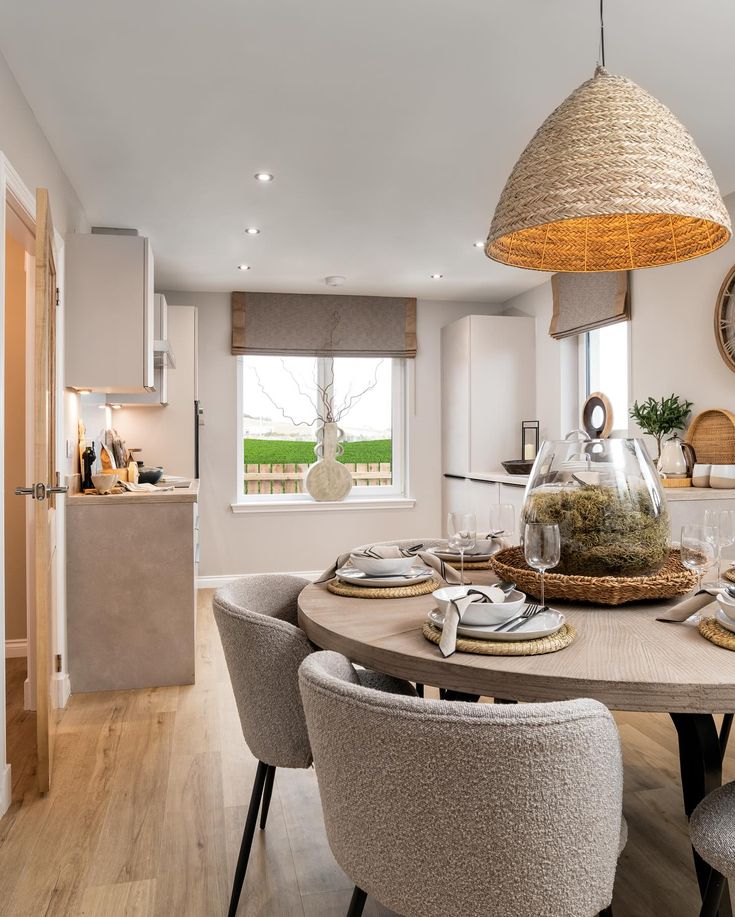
[[712, 831], [257, 617], [439, 807]]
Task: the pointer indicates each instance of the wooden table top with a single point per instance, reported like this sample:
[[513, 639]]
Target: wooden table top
[[622, 656]]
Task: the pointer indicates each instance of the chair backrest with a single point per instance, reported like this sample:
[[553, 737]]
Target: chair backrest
[[440, 807], [257, 617]]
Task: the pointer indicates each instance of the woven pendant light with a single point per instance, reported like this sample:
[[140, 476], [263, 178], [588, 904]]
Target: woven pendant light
[[611, 181]]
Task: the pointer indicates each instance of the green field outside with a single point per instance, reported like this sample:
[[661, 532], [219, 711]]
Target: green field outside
[[288, 452]]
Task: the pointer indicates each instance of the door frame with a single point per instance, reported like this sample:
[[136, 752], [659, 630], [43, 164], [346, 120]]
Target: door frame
[[11, 185]]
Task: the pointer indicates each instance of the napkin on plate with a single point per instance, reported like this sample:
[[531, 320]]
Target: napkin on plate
[[685, 609], [447, 573], [455, 613]]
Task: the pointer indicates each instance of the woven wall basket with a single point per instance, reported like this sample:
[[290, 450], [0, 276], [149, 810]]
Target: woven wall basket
[[671, 580], [611, 181], [712, 436]]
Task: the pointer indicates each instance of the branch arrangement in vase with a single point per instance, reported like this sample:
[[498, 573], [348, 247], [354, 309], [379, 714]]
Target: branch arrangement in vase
[[659, 418]]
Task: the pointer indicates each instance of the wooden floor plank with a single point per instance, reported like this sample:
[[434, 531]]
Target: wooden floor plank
[[127, 899]]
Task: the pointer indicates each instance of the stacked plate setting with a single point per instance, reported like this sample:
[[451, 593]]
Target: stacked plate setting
[[384, 573]]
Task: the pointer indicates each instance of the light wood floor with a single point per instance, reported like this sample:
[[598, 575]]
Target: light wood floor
[[149, 796]]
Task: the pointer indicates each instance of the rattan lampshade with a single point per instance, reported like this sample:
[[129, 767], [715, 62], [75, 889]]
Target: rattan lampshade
[[611, 181]]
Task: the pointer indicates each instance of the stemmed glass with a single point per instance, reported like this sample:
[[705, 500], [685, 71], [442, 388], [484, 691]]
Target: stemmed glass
[[723, 520], [698, 549], [542, 549], [462, 532], [503, 520]]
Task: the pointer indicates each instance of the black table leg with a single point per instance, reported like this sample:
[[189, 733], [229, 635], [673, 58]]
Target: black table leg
[[700, 759], [725, 732], [448, 694]]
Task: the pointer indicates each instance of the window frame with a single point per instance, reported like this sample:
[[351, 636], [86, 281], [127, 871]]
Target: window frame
[[394, 495], [585, 375]]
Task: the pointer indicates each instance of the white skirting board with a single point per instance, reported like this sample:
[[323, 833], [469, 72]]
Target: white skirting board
[[214, 582], [16, 648], [5, 789], [61, 690]]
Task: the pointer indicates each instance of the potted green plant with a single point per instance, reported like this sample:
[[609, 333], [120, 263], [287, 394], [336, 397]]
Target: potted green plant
[[658, 418]]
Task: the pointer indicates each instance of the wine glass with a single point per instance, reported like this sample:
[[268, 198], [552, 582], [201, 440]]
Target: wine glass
[[723, 520], [698, 549], [503, 520], [542, 549], [462, 532]]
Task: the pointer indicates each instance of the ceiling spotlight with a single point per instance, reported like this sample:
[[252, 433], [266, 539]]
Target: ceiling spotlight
[[476, 244], [437, 276], [115, 407], [243, 267], [334, 280], [252, 231], [263, 176]]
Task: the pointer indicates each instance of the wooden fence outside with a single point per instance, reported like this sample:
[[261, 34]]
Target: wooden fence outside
[[289, 479]]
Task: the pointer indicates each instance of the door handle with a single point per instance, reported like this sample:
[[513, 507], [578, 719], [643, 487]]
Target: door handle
[[57, 489], [40, 491], [25, 492]]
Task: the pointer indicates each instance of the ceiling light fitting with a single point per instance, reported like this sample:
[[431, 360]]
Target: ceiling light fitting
[[611, 181], [252, 231], [437, 276], [243, 267], [263, 176]]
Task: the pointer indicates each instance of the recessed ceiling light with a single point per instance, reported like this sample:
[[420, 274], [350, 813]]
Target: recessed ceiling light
[[263, 176], [479, 244], [115, 407], [252, 231], [243, 267], [437, 276]]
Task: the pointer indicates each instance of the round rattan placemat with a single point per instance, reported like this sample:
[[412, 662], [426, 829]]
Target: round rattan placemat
[[671, 580], [730, 574], [479, 565], [396, 592], [558, 641], [713, 631]]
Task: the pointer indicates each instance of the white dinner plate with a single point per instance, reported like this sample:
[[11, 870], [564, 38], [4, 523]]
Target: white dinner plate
[[726, 622], [417, 574], [541, 625]]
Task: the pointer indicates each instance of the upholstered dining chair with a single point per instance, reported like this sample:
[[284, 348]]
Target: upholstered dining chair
[[439, 807], [712, 831], [257, 617]]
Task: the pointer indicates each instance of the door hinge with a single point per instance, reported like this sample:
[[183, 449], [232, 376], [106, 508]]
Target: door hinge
[[57, 296], [58, 662]]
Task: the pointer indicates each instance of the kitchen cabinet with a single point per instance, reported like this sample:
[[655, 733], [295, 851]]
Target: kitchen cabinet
[[109, 312], [513, 494], [164, 359], [488, 388]]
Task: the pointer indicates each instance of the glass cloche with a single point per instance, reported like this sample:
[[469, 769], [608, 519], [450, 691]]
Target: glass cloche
[[606, 498]]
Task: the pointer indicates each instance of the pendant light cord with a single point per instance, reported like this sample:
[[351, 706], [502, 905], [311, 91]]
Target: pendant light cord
[[602, 34]]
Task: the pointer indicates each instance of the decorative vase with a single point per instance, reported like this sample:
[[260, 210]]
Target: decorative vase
[[327, 479], [605, 496]]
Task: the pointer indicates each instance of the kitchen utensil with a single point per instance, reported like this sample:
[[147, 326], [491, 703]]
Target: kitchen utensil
[[677, 458], [104, 483], [542, 548], [417, 574], [485, 613], [382, 566], [541, 625], [701, 474], [462, 532], [150, 475], [518, 466]]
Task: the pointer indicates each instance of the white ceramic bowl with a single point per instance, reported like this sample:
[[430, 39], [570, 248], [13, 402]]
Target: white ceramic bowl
[[726, 603], [382, 566], [484, 614], [103, 483]]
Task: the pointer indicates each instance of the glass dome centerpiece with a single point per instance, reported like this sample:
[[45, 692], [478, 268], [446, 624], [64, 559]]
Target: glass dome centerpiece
[[606, 498]]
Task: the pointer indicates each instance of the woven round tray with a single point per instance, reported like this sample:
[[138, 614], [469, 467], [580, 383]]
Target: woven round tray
[[397, 592], [713, 631], [672, 579], [730, 574], [538, 647]]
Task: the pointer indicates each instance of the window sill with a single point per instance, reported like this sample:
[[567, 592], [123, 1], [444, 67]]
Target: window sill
[[301, 506]]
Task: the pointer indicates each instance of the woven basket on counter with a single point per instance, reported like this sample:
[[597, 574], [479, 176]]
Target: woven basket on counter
[[671, 580], [712, 436]]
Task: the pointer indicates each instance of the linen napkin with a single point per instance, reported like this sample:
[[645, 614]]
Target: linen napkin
[[455, 613], [447, 573], [685, 609]]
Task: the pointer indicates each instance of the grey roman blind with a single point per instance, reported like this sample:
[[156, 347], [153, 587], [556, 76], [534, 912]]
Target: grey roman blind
[[305, 324], [583, 302]]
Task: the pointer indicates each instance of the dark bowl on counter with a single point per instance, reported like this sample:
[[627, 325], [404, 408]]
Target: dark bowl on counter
[[518, 466], [150, 475]]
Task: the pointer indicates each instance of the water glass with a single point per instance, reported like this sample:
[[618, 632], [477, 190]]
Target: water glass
[[723, 520], [698, 549], [542, 549], [462, 532], [503, 520]]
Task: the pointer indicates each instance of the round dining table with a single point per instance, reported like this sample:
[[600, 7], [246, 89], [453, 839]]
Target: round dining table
[[622, 656]]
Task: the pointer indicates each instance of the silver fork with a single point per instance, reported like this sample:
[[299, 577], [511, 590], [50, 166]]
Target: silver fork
[[531, 609]]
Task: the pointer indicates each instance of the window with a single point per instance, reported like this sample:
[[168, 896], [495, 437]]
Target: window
[[605, 368], [282, 403]]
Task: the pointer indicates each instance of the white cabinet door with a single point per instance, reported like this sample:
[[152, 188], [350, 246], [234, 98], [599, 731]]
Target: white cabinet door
[[456, 498], [455, 362], [513, 494], [483, 494]]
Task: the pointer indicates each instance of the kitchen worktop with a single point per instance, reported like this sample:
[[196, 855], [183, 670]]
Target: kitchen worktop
[[188, 494], [499, 477]]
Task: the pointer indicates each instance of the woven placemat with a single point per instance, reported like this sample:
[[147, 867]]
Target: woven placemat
[[551, 644], [713, 631], [478, 565], [730, 574], [396, 592]]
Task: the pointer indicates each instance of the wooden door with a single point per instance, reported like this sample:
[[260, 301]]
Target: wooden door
[[44, 463]]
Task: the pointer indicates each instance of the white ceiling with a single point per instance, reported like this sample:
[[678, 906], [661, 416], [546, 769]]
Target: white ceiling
[[390, 125]]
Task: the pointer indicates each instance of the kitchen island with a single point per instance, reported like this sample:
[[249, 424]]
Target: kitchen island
[[131, 589]]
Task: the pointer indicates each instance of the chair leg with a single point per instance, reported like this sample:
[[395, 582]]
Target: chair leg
[[267, 791], [247, 837], [713, 895], [357, 903], [607, 912], [419, 689]]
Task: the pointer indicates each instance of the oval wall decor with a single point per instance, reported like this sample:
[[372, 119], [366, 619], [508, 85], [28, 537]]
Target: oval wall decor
[[725, 320]]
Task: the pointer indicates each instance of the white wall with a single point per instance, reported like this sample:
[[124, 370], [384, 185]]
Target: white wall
[[307, 540], [673, 347]]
